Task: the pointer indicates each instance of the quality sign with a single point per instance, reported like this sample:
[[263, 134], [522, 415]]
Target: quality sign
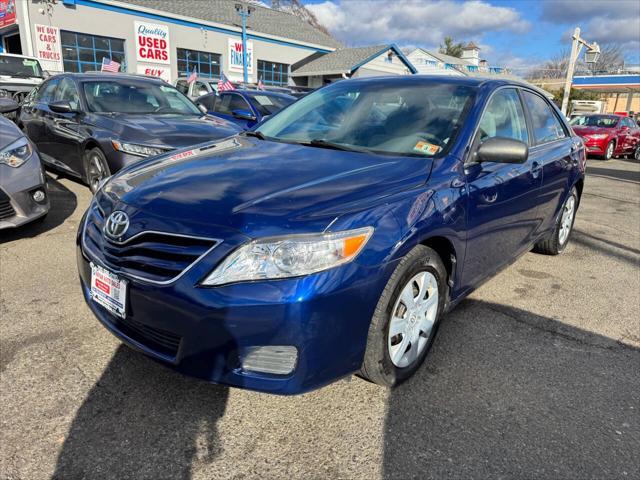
[[235, 56], [152, 43]]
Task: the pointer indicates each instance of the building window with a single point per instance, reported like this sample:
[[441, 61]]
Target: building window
[[206, 64], [273, 73], [82, 52]]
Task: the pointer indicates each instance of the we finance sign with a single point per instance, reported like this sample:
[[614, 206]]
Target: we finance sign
[[152, 43], [235, 56]]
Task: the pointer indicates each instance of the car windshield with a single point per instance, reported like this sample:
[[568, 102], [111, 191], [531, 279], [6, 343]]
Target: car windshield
[[20, 67], [594, 121], [269, 104], [405, 118], [118, 96]]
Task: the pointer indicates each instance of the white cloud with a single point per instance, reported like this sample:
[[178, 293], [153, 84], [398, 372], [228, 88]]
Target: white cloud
[[406, 22]]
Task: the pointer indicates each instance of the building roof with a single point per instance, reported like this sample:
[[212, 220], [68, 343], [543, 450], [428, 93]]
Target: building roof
[[262, 20], [471, 46], [347, 60]]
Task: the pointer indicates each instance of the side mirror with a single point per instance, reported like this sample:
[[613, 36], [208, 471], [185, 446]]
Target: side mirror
[[624, 128], [503, 150], [46, 74], [8, 105], [61, 106], [244, 115], [202, 108]]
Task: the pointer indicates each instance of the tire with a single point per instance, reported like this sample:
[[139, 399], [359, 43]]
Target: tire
[[636, 153], [378, 365], [95, 168], [558, 240], [608, 152]]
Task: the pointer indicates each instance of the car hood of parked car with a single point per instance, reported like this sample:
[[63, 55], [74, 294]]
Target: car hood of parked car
[[591, 130], [177, 131], [9, 132], [259, 187]]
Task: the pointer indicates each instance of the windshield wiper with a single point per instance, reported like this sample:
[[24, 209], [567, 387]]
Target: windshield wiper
[[255, 133], [318, 142]]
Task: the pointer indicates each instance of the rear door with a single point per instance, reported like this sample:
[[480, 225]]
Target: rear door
[[555, 150], [502, 212]]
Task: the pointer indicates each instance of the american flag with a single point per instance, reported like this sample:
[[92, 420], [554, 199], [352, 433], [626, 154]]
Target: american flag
[[193, 77], [224, 83], [109, 65], [260, 84]]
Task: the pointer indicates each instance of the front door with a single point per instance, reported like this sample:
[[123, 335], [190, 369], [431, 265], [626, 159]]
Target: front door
[[502, 198]]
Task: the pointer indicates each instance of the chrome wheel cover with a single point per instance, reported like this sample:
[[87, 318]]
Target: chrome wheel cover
[[566, 221], [96, 172], [412, 319]]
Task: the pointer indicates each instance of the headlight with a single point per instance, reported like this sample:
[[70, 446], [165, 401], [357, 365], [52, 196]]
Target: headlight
[[139, 150], [598, 136], [16, 153], [290, 256]]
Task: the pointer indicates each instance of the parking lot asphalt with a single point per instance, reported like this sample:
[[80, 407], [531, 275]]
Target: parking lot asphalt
[[536, 375]]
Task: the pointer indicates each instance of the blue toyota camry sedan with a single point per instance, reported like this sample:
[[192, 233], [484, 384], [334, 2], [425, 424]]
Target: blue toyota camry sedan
[[332, 239]]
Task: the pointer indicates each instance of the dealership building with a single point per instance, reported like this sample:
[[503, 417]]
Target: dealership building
[[165, 38]]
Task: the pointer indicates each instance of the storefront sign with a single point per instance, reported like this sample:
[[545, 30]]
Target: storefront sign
[[235, 56], [7, 13], [159, 71], [152, 43], [48, 47]]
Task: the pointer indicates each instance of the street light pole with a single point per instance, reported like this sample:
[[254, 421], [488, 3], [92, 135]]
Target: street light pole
[[591, 57], [244, 11]]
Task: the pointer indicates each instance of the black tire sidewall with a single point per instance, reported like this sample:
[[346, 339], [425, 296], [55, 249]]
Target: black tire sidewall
[[420, 259]]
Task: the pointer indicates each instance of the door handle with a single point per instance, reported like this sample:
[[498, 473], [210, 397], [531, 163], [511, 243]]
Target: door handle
[[536, 168]]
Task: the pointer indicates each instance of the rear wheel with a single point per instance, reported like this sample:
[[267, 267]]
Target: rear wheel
[[406, 318], [96, 168], [556, 242], [608, 152], [636, 153]]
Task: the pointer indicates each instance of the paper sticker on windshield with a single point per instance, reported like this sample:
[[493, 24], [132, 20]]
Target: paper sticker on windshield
[[427, 148], [29, 63], [263, 100]]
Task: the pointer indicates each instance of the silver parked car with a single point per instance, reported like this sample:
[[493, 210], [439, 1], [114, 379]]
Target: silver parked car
[[23, 189]]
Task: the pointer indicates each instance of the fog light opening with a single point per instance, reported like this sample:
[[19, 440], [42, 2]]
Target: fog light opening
[[272, 359], [38, 196]]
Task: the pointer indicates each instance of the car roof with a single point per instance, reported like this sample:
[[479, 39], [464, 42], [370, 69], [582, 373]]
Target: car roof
[[92, 76], [5, 54], [266, 93]]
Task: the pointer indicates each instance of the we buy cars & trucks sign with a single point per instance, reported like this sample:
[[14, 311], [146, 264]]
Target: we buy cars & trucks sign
[[48, 47], [152, 43]]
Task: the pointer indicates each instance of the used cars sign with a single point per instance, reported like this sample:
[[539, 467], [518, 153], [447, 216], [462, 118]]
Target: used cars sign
[[152, 43]]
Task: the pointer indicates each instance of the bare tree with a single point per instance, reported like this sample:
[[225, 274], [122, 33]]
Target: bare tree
[[452, 48], [296, 8]]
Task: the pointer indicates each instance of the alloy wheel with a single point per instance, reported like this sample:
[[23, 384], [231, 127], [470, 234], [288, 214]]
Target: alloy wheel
[[96, 172], [566, 221], [412, 319], [609, 152]]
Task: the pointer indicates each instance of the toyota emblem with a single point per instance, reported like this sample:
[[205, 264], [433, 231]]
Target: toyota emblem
[[117, 224]]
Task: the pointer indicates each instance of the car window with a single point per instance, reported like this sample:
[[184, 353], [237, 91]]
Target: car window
[[628, 122], [408, 118], [504, 117], [229, 102], [270, 104], [46, 91], [601, 121], [546, 126], [68, 92], [182, 86], [208, 101], [238, 103]]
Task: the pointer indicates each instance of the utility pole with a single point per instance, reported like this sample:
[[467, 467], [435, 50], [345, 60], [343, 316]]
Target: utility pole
[[244, 11], [593, 52]]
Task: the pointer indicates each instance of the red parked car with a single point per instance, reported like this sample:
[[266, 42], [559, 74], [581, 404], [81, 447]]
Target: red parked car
[[608, 135]]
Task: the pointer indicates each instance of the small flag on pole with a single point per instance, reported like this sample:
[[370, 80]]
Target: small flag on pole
[[224, 83], [260, 84], [109, 65], [193, 77]]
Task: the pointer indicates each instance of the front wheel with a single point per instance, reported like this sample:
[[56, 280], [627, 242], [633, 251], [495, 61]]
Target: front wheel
[[406, 318], [96, 168], [556, 242], [636, 153], [608, 152]]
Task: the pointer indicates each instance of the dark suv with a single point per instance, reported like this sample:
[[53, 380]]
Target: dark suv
[[90, 125]]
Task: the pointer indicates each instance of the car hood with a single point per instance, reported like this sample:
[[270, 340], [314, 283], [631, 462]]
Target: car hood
[[9, 132], [176, 131], [258, 187], [591, 130]]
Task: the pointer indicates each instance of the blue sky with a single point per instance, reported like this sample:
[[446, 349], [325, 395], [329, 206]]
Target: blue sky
[[514, 33]]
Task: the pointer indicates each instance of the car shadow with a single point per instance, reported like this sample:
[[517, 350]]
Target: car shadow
[[506, 393], [63, 203], [141, 420], [632, 176]]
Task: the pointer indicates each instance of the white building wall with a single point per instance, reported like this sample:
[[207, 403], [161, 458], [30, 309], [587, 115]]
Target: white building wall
[[93, 21], [380, 66], [429, 65]]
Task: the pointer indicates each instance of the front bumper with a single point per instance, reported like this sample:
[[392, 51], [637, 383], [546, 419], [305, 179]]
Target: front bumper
[[17, 205], [325, 316], [595, 147]]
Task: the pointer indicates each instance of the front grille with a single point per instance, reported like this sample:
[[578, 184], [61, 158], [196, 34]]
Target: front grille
[[162, 341], [156, 257], [6, 209]]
